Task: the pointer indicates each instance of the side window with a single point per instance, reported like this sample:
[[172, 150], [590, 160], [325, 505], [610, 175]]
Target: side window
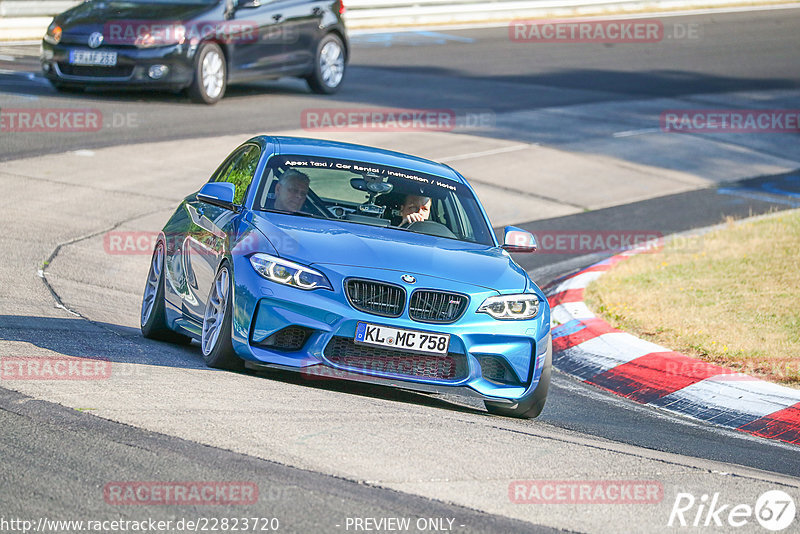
[[239, 171]]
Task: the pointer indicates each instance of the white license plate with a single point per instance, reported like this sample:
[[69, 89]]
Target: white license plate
[[400, 338], [92, 57]]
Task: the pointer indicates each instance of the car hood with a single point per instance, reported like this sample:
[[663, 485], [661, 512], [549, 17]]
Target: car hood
[[93, 16], [314, 241]]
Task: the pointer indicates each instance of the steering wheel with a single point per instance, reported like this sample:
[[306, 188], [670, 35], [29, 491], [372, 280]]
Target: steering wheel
[[431, 228]]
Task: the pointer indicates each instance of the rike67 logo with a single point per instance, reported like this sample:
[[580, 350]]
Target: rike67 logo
[[774, 510]]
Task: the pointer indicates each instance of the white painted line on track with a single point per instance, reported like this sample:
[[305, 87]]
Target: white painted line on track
[[627, 16], [502, 150], [631, 133], [577, 386], [617, 348], [740, 392], [564, 313]]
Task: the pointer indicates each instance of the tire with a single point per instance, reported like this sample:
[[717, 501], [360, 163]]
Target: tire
[[531, 406], [152, 320], [216, 343], [329, 65], [210, 75]]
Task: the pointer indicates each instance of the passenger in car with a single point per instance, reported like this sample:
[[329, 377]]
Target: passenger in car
[[291, 191]]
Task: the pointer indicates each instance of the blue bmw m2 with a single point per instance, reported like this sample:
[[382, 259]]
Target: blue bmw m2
[[344, 260]]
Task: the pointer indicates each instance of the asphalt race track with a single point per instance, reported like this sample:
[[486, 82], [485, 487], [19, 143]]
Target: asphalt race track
[[555, 137]]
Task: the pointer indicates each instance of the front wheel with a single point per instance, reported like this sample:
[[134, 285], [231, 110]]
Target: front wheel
[[210, 75], [329, 65], [532, 405], [217, 325]]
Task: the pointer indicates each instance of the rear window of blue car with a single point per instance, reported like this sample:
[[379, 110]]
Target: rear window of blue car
[[367, 193]]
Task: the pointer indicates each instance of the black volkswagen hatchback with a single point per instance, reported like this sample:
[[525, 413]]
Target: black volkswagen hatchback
[[199, 45]]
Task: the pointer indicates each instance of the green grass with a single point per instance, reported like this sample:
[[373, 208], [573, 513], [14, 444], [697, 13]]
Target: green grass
[[730, 298]]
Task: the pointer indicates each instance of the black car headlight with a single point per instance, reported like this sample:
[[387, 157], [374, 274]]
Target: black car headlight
[[53, 35], [513, 307], [288, 273]]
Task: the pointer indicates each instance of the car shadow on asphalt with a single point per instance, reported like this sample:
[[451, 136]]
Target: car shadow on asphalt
[[56, 337], [34, 85], [366, 390]]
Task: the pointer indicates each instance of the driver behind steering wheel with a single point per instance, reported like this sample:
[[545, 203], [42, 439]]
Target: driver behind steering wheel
[[414, 208]]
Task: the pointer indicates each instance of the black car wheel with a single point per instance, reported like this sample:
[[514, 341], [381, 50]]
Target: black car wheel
[[329, 65], [217, 325], [153, 317], [210, 75], [532, 405]]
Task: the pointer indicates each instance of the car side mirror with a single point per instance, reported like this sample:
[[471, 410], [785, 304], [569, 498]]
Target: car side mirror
[[219, 194], [518, 240]]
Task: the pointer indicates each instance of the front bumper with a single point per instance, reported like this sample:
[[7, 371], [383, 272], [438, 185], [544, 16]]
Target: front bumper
[[131, 69], [479, 344]]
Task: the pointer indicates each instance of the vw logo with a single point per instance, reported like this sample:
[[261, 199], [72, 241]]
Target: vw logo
[[95, 39], [408, 279]]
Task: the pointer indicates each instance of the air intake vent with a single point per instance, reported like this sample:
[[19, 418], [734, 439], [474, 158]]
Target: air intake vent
[[497, 371], [428, 306], [119, 71], [290, 338], [450, 367], [377, 298]]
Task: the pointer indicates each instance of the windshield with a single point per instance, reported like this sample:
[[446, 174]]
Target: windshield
[[366, 193]]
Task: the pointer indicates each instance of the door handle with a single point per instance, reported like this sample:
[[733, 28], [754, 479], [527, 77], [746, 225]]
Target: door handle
[[317, 11], [277, 17]]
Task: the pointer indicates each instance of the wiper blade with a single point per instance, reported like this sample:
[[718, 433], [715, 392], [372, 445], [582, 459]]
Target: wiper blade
[[297, 213]]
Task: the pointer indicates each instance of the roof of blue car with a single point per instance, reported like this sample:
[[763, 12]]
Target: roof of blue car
[[334, 149]]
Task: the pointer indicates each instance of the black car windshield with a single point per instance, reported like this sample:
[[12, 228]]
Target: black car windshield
[[367, 193]]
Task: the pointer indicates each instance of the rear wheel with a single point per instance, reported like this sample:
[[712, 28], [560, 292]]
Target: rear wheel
[[217, 325], [153, 320], [210, 75], [532, 405], [329, 65]]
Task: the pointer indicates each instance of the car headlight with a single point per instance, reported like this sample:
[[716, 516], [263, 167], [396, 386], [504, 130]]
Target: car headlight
[[53, 35], [288, 273], [514, 307], [161, 35]]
